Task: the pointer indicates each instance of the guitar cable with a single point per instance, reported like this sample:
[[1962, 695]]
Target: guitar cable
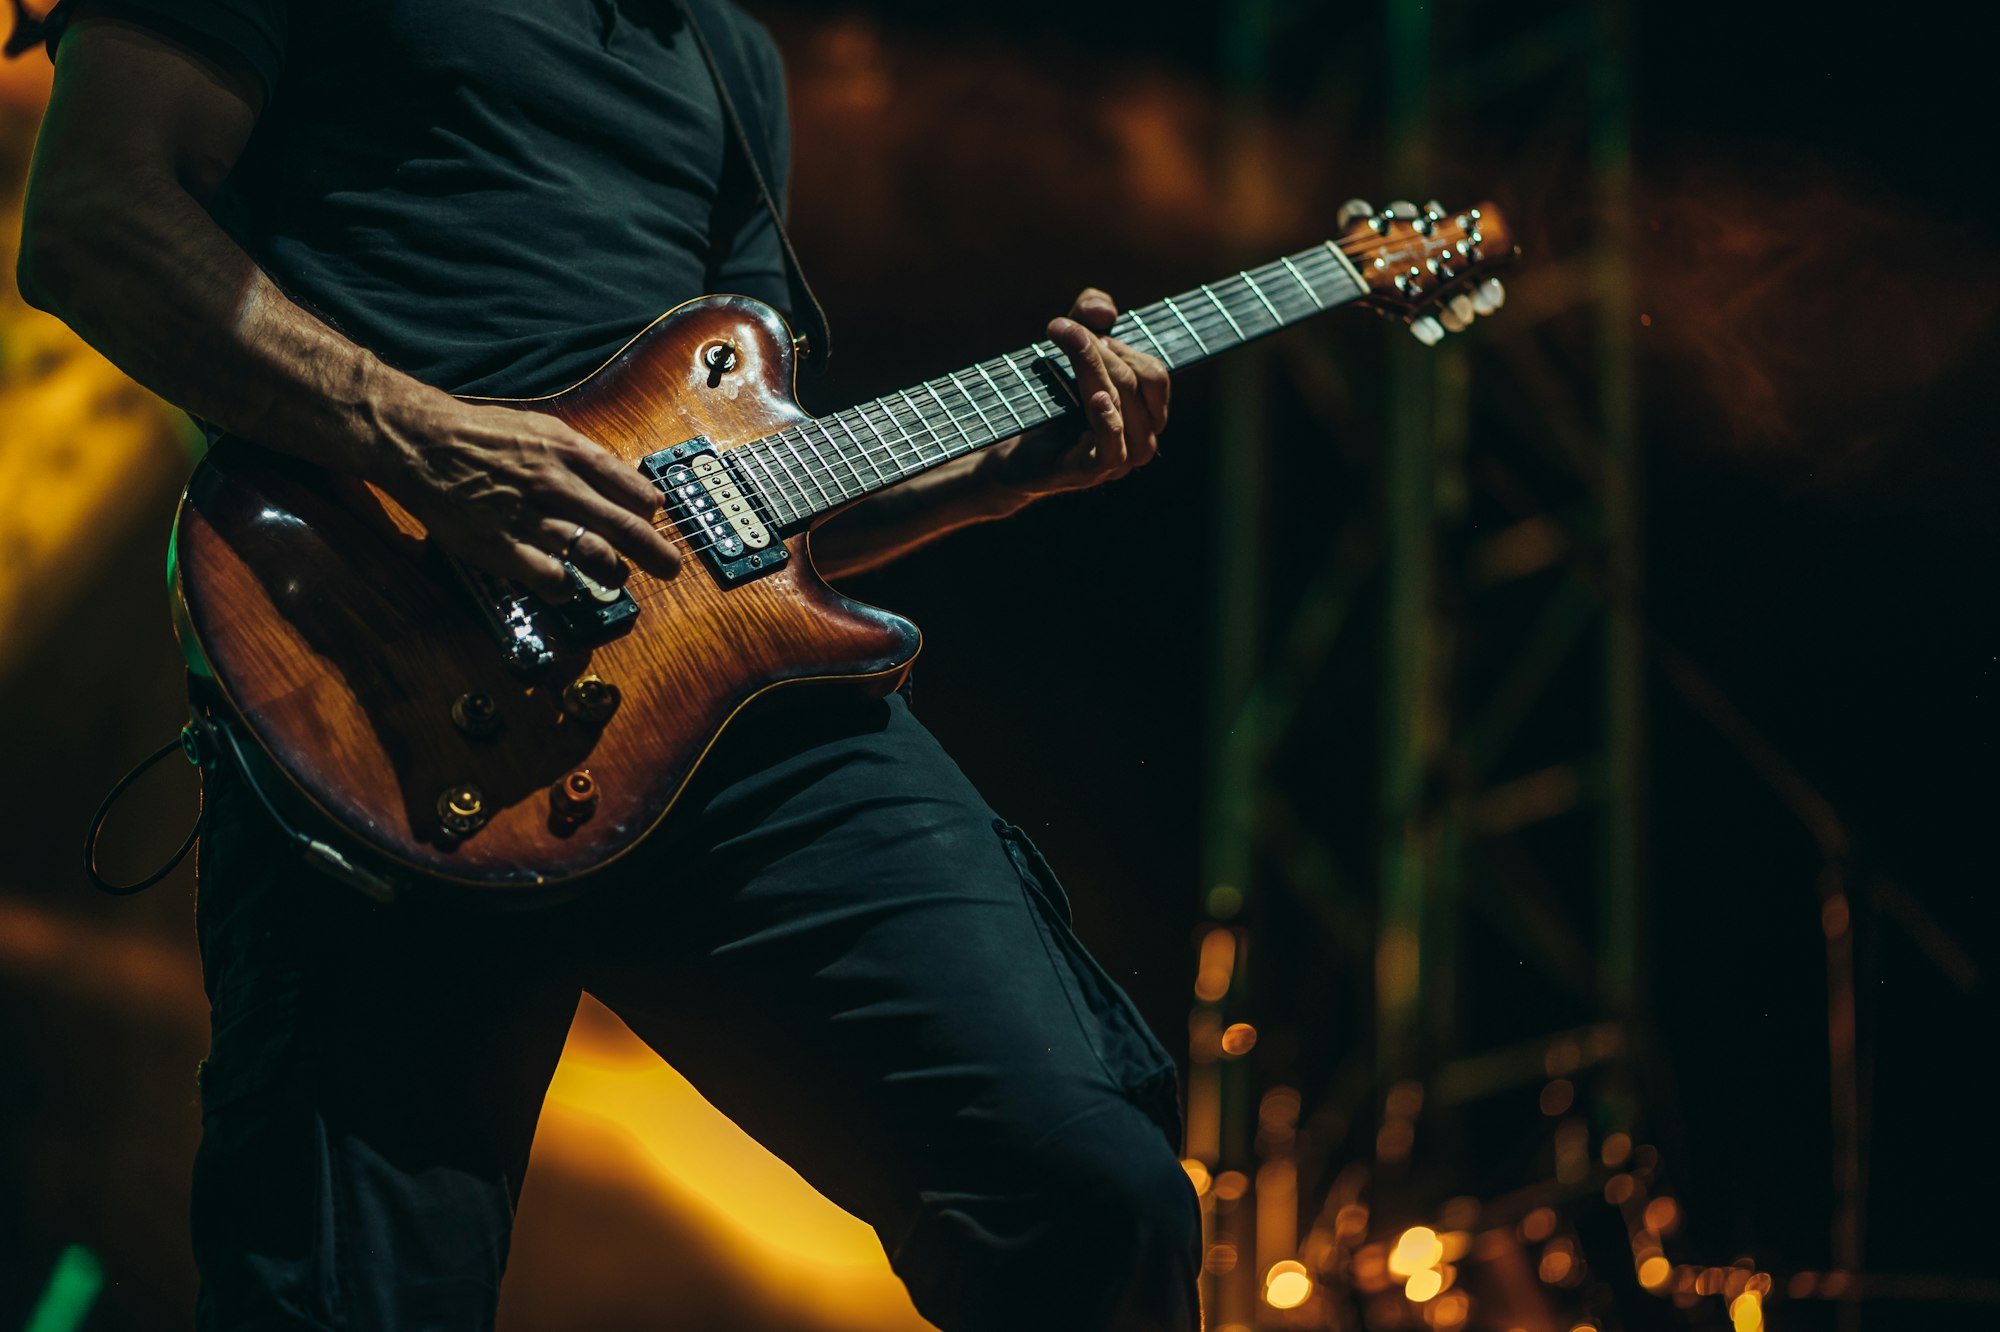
[[202, 739]]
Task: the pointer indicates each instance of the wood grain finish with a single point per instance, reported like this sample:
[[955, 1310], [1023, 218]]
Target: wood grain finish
[[339, 638]]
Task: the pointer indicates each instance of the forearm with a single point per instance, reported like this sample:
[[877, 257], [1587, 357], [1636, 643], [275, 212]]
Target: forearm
[[152, 281], [891, 524]]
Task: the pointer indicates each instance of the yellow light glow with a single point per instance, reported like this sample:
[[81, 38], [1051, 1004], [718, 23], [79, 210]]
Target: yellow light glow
[[1454, 1245], [1556, 1265], [1423, 1285], [1238, 1039], [617, 1118], [1617, 1189], [1351, 1220], [1557, 1097], [1197, 1174], [1449, 1309], [1653, 1272], [1287, 1285], [1221, 1257], [1231, 1185], [1418, 1248], [1538, 1225], [1217, 966], [1616, 1150], [1746, 1312], [1662, 1215]]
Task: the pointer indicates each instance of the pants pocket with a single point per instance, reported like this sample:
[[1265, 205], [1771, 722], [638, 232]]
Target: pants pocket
[[1131, 1055]]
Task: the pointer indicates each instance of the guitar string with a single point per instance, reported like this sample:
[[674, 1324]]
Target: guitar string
[[918, 432], [897, 451]]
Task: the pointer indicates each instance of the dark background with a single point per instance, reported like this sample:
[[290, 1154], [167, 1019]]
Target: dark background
[[1814, 207]]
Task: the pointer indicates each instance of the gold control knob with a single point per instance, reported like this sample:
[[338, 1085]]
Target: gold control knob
[[590, 700], [575, 796], [476, 714], [461, 810]]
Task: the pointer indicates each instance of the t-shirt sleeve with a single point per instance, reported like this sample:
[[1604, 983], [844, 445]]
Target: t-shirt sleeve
[[753, 263], [249, 34]]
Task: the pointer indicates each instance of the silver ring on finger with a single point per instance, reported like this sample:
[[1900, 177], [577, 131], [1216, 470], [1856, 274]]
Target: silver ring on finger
[[569, 546]]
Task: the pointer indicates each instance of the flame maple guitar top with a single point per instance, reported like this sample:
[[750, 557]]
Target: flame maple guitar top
[[341, 638]]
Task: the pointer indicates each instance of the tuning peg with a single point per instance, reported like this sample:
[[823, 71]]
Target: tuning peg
[[1434, 208], [1402, 208], [1427, 331], [1453, 319], [1463, 307], [1353, 211], [1489, 296]]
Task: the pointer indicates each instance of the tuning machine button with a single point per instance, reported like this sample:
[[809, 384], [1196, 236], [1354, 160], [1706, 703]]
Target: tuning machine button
[[589, 700], [476, 714], [574, 798], [1489, 296], [1427, 330], [461, 810], [1351, 212]]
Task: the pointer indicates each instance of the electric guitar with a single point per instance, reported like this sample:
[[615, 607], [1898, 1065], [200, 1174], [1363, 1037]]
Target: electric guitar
[[455, 726]]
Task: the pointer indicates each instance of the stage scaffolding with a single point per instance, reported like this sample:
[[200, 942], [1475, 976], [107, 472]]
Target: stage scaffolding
[[1475, 830]]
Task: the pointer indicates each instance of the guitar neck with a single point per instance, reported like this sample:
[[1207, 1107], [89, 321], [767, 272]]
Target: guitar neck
[[821, 464]]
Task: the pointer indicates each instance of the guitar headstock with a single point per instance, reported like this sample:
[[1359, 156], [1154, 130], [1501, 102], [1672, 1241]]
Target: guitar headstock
[[1431, 267]]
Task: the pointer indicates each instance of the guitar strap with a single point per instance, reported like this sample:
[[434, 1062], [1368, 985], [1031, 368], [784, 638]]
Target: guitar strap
[[727, 69]]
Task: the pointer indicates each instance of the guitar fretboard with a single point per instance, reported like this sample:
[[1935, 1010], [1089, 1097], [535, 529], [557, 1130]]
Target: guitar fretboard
[[812, 468]]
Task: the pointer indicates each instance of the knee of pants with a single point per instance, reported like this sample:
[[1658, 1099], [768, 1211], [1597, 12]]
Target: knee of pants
[[1105, 1236]]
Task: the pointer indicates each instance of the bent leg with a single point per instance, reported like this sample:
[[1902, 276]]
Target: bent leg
[[849, 955], [373, 1078]]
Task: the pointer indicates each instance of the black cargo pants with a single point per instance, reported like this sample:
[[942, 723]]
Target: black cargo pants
[[833, 938]]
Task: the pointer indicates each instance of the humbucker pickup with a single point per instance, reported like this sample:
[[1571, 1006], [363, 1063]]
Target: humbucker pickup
[[721, 515]]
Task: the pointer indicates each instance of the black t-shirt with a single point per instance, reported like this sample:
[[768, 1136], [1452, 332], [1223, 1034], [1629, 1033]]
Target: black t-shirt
[[493, 195]]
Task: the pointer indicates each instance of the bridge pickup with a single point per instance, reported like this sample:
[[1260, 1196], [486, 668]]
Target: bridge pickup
[[720, 513]]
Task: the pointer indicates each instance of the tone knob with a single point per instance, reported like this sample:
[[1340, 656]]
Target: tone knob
[[590, 700], [461, 810], [575, 796], [476, 714]]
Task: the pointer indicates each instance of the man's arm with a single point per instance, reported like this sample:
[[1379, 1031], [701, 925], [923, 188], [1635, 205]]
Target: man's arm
[[1124, 395], [118, 242]]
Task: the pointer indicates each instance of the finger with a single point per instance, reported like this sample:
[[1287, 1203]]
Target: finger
[[630, 535], [1094, 309], [1154, 384], [610, 475], [1095, 388], [590, 553], [537, 570]]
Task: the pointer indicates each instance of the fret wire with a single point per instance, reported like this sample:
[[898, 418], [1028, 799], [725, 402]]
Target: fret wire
[[860, 487], [1340, 257], [953, 377], [772, 494], [1025, 381], [805, 501], [786, 437], [998, 394], [1234, 327], [1141, 322], [944, 453], [883, 442], [1292, 268], [1258, 291], [889, 415], [824, 466], [963, 433], [1175, 310], [897, 461], [840, 420]]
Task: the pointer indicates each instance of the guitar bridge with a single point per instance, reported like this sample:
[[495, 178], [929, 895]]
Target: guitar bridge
[[719, 511]]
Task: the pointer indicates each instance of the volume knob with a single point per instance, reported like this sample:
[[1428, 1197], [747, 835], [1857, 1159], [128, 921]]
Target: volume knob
[[590, 700], [461, 810], [575, 796]]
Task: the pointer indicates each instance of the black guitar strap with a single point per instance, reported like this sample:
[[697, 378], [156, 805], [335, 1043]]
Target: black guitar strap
[[727, 70]]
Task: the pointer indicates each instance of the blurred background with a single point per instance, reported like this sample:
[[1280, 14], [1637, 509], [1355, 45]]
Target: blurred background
[[1541, 784]]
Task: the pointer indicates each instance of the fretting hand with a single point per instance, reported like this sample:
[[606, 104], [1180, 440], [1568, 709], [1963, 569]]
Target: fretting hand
[[1124, 395]]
